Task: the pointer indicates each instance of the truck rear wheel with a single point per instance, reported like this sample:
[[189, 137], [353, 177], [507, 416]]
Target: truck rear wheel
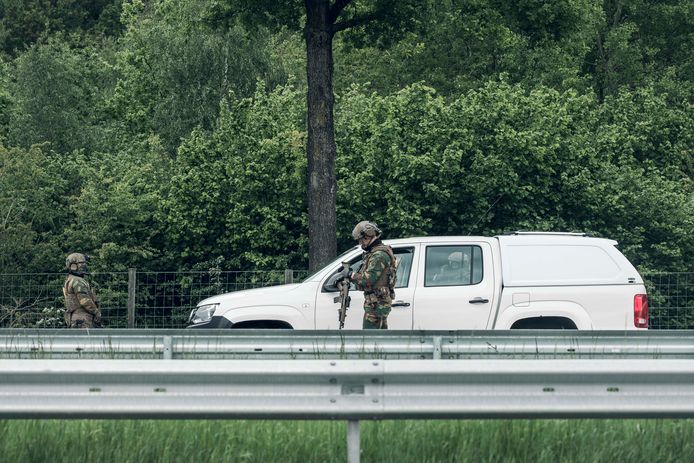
[[544, 323]]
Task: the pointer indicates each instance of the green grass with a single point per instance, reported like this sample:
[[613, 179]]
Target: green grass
[[583, 441]]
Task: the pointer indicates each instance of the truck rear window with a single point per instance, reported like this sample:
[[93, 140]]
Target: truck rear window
[[453, 265]]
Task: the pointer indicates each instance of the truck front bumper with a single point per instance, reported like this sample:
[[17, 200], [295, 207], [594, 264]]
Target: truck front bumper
[[215, 322]]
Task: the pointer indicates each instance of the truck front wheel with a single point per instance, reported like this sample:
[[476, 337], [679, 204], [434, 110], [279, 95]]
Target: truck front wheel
[[263, 325]]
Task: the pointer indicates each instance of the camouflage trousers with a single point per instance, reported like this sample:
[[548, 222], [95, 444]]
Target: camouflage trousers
[[376, 318], [374, 322], [376, 310], [83, 320], [82, 323]]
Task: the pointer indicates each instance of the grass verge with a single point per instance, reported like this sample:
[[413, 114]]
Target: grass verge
[[550, 441]]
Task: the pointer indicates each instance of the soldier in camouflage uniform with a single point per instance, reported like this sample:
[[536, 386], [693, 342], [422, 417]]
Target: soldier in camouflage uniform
[[81, 307], [455, 272], [376, 277]]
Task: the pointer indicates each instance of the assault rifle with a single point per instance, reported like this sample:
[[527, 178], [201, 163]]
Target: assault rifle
[[344, 298]]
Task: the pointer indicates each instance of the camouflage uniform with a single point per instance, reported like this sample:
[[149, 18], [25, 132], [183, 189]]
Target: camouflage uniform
[[448, 275], [375, 278], [81, 308]]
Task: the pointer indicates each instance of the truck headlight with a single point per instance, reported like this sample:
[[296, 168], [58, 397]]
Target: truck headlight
[[202, 313]]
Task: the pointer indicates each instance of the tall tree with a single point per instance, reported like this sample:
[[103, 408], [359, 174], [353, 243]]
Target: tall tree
[[639, 41], [57, 93], [372, 21], [176, 69], [24, 22]]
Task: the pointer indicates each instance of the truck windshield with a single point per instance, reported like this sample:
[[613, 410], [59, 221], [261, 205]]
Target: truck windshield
[[337, 261]]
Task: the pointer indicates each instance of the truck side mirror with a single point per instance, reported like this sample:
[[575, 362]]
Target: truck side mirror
[[330, 285]]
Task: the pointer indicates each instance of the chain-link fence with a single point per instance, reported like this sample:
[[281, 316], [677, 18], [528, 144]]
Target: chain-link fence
[[165, 299], [127, 299], [670, 300], [31, 300]]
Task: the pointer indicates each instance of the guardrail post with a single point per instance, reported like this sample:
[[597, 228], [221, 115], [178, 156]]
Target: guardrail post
[[132, 275], [288, 276], [437, 348], [168, 348], [353, 441]]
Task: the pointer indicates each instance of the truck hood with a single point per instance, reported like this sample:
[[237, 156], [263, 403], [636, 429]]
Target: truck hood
[[251, 297]]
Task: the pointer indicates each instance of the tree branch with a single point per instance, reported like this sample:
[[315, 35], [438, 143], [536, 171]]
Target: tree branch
[[358, 21], [617, 14], [337, 8]]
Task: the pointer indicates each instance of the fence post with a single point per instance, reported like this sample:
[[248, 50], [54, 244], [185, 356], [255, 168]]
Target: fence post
[[132, 275], [288, 276]]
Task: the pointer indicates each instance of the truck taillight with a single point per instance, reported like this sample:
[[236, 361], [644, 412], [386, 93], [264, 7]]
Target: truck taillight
[[641, 311]]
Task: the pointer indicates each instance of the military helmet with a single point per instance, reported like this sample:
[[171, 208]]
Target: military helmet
[[365, 228], [457, 258], [77, 263]]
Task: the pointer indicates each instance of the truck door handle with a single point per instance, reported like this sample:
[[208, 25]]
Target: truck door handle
[[400, 304], [478, 300]]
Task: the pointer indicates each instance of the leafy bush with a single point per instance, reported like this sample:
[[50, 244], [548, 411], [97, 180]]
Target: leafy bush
[[490, 161], [504, 158], [239, 191]]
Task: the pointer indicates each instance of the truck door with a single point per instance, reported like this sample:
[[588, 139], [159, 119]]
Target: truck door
[[455, 288], [400, 317]]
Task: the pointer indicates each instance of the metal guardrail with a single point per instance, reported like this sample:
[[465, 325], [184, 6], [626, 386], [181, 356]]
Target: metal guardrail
[[287, 344], [347, 389], [443, 386]]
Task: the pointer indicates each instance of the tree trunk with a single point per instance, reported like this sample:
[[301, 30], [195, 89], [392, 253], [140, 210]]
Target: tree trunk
[[321, 150]]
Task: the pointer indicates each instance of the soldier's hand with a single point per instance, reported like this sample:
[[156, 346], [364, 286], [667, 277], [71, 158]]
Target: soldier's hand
[[345, 274]]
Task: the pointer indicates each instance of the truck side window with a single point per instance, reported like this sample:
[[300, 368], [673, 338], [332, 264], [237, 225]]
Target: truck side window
[[404, 257], [476, 265], [453, 265]]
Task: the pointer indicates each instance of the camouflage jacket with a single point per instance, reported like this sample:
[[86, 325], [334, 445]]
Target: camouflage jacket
[[377, 271], [80, 302]]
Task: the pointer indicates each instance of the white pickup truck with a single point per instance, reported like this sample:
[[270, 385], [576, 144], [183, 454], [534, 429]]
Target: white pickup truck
[[525, 280]]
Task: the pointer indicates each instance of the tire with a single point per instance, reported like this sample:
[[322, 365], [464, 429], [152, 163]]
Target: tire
[[544, 323]]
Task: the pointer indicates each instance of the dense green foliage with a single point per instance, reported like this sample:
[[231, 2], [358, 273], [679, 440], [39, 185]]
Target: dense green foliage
[[535, 441], [24, 22], [169, 134], [500, 158]]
